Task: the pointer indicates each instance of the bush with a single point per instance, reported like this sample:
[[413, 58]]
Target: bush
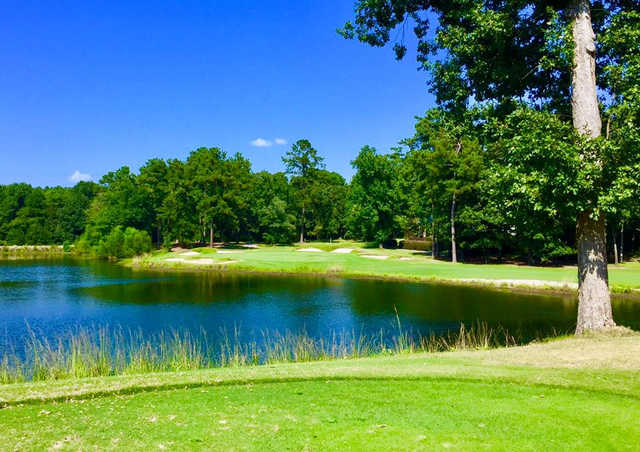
[[136, 242], [119, 244]]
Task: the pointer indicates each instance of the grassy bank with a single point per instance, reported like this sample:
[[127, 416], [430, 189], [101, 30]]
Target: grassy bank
[[96, 352], [565, 394], [12, 252], [378, 263]]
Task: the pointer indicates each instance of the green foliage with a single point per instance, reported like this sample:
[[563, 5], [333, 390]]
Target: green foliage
[[374, 196], [278, 224], [120, 244], [34, 216]]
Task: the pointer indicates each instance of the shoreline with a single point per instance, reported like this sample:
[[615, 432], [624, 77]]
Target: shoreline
[[517, 286]]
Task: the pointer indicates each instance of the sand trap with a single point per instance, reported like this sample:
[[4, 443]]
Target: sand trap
[[250, 246], [406, 258], [227, 252], [175, 259], [380, 258], [190, 253], [342, 250], [309, 250]]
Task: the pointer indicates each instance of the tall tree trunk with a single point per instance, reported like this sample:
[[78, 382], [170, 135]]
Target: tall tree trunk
[[454, 256], [615, 247], [302, 227], [622, 243], [211, 235], [594, 308], [434, 251], [435, 240]]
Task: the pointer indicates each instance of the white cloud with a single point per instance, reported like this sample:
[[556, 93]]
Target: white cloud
[[280, 141], [261, 143], [79, 177]]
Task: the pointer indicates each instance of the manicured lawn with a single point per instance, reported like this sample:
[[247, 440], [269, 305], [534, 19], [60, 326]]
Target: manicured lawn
[[580, 394], [398, 264]]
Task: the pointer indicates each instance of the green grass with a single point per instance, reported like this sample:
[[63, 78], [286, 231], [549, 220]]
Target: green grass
[[531, 398], [83, 352], [400, 264]]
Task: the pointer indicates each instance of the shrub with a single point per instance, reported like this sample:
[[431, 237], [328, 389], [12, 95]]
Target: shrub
[[118, 243]]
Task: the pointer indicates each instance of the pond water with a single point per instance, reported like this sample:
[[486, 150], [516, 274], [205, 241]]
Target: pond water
[[53, 297]]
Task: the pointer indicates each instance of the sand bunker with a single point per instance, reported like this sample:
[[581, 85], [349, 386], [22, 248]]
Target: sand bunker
[[310, 250], [227, 252], [380, 258], [406, 258], [250, 245], [190, 253], [342, 250]]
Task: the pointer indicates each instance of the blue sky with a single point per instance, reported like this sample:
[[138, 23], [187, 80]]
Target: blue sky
[[87, 87]]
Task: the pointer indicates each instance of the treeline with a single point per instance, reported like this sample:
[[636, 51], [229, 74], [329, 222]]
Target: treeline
[[446, 189]]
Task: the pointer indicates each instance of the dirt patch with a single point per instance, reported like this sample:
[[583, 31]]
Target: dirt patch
[[618, 349]]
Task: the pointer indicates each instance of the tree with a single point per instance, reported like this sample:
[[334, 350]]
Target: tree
[[450, 166], [301, 162], [373, 197], [153, 184], [544, 53], [327, 198], [219, 185], [278, 224], [265, 188]]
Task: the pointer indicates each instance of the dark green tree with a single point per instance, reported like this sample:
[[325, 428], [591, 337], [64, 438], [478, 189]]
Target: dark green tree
[[301, 163], [374, 196]]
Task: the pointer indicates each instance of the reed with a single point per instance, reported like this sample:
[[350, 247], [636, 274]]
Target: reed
[[102, 351]]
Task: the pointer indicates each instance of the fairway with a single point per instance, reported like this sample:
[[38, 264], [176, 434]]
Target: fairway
[[572, 394], [398, 264]]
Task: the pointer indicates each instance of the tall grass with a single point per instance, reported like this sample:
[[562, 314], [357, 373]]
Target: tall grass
[[102, 351]]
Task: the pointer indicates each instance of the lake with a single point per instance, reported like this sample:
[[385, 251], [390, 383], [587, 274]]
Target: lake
[[52, 297]]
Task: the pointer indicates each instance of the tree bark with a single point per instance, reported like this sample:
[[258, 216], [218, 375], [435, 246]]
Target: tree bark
[[622, 243], [211, 236], [615, 247], [594, 307], [454, 256], [433, 232], [302, 227]]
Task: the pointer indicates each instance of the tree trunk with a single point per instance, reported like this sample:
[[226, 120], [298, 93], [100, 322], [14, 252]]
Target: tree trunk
[[433, 233], [454, 256], [622, 243], [594, 308], [434, 251], [211, 235], [302, 227], [615, 247], [435, 240]]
